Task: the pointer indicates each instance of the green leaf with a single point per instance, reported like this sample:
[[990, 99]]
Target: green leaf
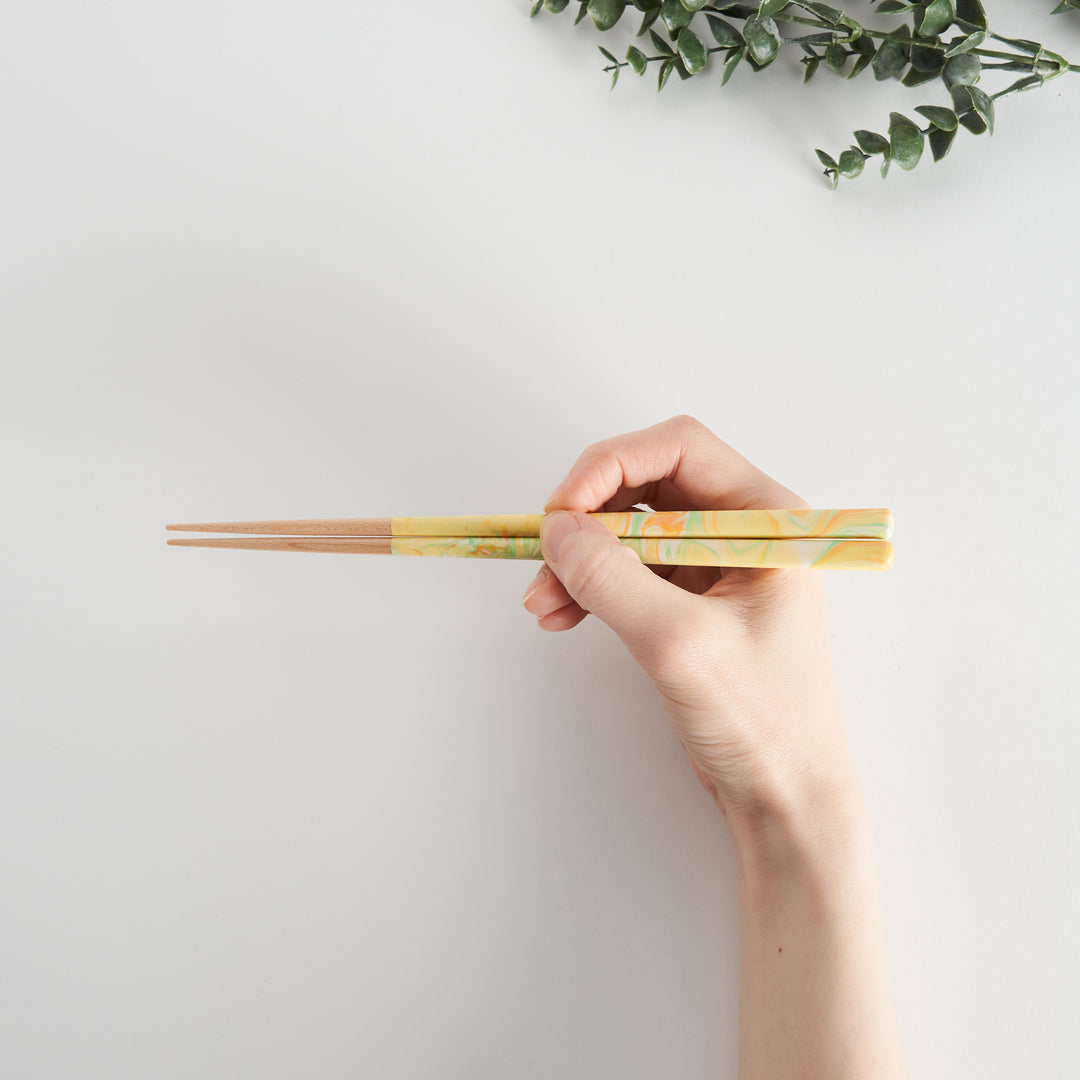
[[614, 77], [940, 142], [973, 122], [535, 9], [606, 13], [835, 57], [675, 16], [762, 39], [891, 7], [608, 55], [694, 5], [851, 163], [860, 65], [555, 6], [1033, 48], [935, 18], [966, 44], [890, 60], [962, 70], [724, 34], [692, 50], [1026, 83], [871, 142], [867, 50], [832, 169], [769, 8], [822, 11], [971, 11], [924, 58], [915, 77], [971, 98], [581, 12], [665, 73], [944, 119], [811, 70], [636, 59], [660, 44], [647, 20], [731, 62], [906, 140]]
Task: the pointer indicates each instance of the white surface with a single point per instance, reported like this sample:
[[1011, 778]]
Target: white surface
[[278, 816]]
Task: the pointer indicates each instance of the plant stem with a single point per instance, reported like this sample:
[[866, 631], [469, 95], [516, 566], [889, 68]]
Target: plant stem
[[1015, 58], [902, 39], [1028, 62]]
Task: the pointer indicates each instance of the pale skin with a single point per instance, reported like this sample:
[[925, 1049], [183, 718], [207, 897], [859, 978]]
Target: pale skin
[[741, 662]]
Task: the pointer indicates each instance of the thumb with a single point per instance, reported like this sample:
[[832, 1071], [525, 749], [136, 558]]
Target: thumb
[[610, 581]]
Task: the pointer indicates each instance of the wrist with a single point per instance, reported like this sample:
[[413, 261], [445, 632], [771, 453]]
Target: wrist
[[814, 995], [786, 829]]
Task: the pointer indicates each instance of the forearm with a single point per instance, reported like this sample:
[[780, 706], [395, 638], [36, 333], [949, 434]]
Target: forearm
[[814, 994]]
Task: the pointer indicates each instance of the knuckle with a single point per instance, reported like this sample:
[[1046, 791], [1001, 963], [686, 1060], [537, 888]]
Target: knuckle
[[599, 463], [600, 447], [597, 454], [687, 424]]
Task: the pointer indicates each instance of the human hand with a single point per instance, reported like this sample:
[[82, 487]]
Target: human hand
[[740, 657], [741, 660]]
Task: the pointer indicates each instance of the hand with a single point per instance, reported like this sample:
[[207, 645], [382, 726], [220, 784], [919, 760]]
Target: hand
[[741, 660], [740, 657]]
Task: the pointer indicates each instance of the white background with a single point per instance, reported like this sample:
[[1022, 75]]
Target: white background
[[274, 816]]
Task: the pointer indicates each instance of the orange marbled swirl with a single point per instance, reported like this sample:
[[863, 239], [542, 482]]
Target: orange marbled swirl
[[802, 553], [751, 524]]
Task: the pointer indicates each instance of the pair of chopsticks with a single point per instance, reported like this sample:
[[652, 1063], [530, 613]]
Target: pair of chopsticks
[[767, 539]]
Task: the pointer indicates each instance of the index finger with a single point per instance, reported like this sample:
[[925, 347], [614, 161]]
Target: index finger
[[679, 459]]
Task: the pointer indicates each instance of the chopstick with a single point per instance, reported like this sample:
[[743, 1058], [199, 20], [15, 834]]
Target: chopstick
[[766, 539], [739, 524], [825, 554]]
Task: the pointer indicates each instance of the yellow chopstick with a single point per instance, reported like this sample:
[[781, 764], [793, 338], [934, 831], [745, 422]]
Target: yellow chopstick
[[731, 524], [826, 554]]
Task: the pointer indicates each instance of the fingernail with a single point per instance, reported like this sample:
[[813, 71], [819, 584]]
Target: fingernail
[[554, 531], [541, 576]]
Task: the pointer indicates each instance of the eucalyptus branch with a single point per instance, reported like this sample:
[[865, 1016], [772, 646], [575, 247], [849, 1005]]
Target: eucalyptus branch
[[915, 53]]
